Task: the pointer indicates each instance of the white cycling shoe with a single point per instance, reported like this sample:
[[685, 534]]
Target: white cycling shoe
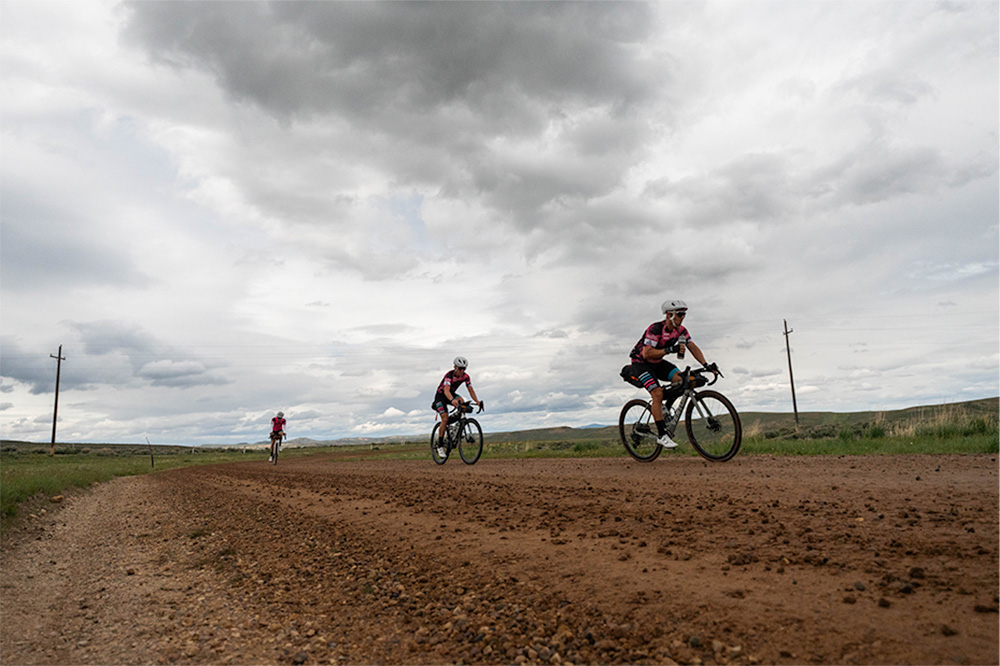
[[441, 452], [665, 441]]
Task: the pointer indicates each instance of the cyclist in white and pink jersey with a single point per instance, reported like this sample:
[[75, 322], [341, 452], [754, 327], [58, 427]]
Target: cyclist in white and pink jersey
[[649, 365], [446, 392]]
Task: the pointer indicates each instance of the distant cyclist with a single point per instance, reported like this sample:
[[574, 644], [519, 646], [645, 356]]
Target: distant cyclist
[[277, 432], [446, 393], [650, 366]]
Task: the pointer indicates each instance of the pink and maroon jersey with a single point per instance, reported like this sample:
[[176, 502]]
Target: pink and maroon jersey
[[658, 337], [454, 381]]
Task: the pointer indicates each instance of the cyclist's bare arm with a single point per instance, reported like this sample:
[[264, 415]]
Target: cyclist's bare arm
[[653, 354]]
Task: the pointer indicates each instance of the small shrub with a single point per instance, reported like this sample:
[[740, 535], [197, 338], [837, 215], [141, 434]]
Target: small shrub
[[875, 431]]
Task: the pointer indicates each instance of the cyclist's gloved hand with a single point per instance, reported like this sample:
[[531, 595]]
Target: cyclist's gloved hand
[[712, 367]]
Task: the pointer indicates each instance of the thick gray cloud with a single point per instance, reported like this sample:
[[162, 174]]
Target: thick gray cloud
[[365, 60], [439, 96]]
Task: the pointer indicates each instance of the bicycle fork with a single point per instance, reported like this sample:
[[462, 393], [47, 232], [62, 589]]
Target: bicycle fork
[[457, 433], [705, 415]]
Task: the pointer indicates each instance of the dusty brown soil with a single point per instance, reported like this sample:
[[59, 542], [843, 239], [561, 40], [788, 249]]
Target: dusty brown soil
[[829, 560]]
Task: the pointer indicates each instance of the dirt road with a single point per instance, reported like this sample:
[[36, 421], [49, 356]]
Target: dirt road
[[768, 560]]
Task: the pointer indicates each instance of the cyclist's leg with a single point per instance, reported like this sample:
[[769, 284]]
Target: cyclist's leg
[[440, 405], [656, 405], [650, 375]]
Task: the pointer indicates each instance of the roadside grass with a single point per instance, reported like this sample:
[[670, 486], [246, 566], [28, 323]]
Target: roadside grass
[[33, 474], [29, 476]]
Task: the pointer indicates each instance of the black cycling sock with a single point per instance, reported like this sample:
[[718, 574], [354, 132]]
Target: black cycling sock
[[661, 427]]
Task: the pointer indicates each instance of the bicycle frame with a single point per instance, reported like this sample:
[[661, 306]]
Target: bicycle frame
[[677, 412]]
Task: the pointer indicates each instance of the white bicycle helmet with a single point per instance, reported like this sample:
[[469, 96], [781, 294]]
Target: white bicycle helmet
[[461, 362], [281, 415], [673, 305]]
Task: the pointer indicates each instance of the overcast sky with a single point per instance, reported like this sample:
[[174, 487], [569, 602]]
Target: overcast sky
[[225, 209]]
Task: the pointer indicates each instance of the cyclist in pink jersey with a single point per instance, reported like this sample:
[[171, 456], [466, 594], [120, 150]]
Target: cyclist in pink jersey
[[446, 392], [649, 365], [277, 432]]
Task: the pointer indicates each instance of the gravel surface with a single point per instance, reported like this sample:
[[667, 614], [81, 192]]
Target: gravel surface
[[322, 560]]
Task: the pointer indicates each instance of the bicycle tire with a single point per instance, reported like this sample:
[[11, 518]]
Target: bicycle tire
[[470, 441], [434, 447], [274, 456], [713, 426], [638, 431]]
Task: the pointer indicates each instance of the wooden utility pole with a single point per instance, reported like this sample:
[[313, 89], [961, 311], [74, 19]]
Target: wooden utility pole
[[791, 378], [55, 410]]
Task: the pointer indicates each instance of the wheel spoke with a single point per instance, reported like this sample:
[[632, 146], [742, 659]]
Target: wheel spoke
[[713, 426], [637, 432], [470, 442], [435, 442]]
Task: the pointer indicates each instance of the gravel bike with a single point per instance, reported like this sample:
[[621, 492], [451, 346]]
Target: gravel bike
[[462, 432], [712, 424], [275, 447]]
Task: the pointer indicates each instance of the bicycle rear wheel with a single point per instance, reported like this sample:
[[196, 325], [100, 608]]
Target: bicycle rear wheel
[[470, 441], [713, 426], [435, 442], [638, 431]]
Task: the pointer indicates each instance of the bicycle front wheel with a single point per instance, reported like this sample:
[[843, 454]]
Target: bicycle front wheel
[[470, 441], [638, 430], [435, 443], [713, 426]]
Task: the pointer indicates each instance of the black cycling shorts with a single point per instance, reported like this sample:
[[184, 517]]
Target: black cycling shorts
[[650, 374]]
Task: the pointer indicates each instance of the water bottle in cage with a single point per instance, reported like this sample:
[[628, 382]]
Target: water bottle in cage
[[682, 348]]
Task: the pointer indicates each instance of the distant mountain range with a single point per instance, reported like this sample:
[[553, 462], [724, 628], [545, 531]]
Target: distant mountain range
[[593, 431]]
